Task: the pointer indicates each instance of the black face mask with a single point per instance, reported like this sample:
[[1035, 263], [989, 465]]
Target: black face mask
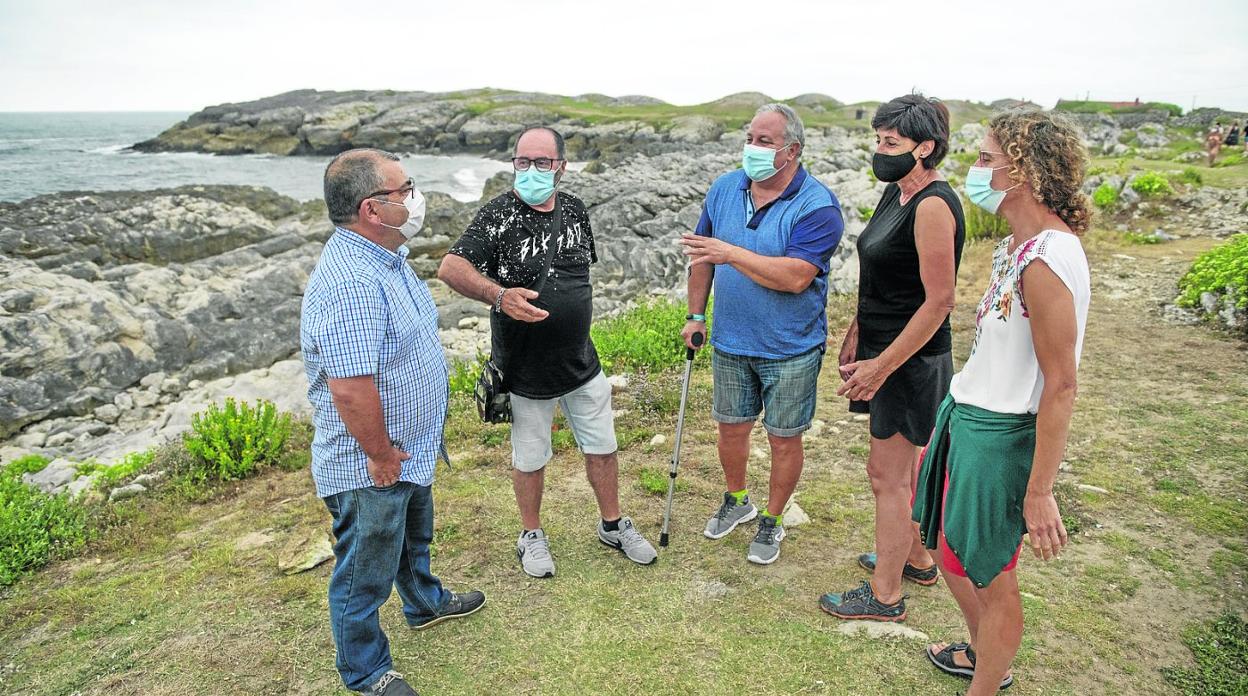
[[890, 168]]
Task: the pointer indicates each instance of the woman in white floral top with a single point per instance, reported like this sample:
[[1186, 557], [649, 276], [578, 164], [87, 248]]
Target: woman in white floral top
[[987, 474]]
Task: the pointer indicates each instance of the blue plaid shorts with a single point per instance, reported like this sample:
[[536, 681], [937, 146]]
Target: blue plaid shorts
[[783, 390]]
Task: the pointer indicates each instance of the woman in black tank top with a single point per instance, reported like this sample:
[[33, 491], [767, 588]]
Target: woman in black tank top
[[895, 359]]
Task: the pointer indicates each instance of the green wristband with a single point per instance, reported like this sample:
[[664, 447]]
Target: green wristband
[[695, 317]]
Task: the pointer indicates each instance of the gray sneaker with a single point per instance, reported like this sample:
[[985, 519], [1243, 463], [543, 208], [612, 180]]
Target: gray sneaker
[[533, 550], [765, 548], [628, 540], [391, 684], [729, 515]]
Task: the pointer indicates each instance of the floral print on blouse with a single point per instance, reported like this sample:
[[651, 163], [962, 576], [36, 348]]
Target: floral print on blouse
[[1006, 286]]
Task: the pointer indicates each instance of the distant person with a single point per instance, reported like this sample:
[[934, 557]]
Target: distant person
[[377, 380], [764, 242], [1232, 135], [541, 340], [987, 475], [896, 358], [1213, 142]]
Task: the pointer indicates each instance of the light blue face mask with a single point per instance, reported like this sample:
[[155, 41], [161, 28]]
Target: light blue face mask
[[979, 188], [534, 187], [759, 163]]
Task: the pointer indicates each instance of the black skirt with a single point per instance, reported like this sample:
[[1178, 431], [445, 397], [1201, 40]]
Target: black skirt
[[908, 400]]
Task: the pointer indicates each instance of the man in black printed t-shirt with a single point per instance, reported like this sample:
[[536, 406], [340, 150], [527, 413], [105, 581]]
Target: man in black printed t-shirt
[[540, 339]]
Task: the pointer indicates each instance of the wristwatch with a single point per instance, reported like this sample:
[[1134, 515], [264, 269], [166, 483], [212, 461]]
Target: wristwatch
[[695, 317]]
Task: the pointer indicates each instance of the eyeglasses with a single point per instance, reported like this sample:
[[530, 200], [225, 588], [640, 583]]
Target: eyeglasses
[[543, 164], [407, 187]]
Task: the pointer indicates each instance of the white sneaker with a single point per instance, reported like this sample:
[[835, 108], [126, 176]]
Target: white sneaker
[[629, 541], [533, 550]]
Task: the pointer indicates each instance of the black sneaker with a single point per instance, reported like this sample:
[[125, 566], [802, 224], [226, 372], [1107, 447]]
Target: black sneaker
[[458, 605], [860, 603], [391, 684], [921, 576], [945, 662]]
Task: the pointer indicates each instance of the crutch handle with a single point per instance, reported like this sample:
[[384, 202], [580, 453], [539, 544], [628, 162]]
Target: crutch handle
[[696, 340]]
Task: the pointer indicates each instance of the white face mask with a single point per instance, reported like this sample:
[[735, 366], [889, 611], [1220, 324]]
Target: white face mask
[[415, 204]]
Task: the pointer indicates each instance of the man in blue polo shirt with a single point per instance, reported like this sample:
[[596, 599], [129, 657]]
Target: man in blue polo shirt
[[764, 241], [377, 380]]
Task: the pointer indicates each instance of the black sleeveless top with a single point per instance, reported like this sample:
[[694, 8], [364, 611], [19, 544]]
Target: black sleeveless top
[[890, 289]]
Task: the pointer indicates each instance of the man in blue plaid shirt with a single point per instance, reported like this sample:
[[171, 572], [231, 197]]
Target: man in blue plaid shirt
[[377, 380]]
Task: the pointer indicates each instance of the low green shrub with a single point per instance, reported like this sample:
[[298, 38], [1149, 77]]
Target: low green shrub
[[35, 527], [1105, 196], [1151, 185], [235, 440], [464, 374], [28, 464], [1216, 270], [1189, 177], [1140, 238], [646, 336]]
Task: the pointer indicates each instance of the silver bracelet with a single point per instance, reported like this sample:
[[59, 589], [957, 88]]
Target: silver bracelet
[[498, 300]]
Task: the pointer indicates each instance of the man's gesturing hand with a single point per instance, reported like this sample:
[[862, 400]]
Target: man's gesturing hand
[[516, 305]]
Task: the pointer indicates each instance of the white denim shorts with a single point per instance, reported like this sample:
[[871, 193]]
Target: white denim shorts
[[588, 411]]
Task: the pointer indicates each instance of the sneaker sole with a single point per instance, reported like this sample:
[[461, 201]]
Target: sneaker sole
[[964, 672], [549, 574], [728, 531], [922, 583], [865, 617], [440, 619], [755, 559], [620, 548]]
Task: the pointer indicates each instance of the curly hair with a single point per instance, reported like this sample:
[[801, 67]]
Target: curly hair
[[1046, 150]]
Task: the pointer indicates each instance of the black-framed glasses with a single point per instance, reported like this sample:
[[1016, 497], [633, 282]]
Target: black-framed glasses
[[543, 164], [407, 187]]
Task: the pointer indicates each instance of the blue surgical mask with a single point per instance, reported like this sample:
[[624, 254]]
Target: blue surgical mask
[[979, 188], [534, 187], [759, 163]]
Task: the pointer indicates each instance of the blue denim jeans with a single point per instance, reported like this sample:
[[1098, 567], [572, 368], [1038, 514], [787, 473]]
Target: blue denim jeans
[[382, 540]]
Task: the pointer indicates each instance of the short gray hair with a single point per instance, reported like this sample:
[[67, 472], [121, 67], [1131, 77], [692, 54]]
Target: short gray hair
[[350, 178], [794, 132]]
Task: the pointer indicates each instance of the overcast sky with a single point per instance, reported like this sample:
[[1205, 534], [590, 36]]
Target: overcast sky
[[93, 55]]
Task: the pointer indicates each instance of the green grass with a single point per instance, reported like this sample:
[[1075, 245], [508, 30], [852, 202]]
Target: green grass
[[1221, 651], [1095, 107], [1235, 176], [729, 114]]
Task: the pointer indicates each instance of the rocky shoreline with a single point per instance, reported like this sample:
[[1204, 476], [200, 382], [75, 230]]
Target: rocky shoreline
[[121, 313]]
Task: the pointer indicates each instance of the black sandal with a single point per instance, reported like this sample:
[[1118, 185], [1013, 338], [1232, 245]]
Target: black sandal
[[944, 661]]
